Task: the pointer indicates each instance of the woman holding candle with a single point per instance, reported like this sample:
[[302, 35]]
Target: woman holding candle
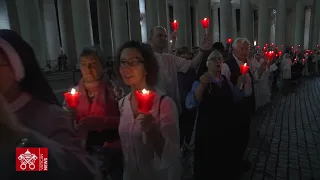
[[214, 96], [29, 95], [261, 87], [150, 140], [97, 115]]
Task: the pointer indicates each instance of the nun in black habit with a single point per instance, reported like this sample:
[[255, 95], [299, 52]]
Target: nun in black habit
[[214, 96]]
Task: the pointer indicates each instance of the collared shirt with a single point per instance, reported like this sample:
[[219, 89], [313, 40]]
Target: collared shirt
[[191, 102], [247, 86], [169, 66]]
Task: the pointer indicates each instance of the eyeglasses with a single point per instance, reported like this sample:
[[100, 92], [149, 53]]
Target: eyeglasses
[[131, 63]]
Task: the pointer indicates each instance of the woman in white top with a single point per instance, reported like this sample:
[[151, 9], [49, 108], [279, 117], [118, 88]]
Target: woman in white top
[[286, 64], [150, 142], [261, 88]]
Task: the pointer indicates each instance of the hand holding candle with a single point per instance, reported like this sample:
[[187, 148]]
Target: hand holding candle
[[72, 98], [145, 102], [205, 24], [244, 70], [175, 25]]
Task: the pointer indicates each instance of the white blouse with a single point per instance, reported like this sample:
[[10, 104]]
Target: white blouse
[[140, 160]]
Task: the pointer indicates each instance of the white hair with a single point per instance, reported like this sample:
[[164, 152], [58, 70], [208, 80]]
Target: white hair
[[240, 41], [214, 54]]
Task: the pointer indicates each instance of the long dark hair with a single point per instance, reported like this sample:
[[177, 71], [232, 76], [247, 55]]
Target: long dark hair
[[34, 81]]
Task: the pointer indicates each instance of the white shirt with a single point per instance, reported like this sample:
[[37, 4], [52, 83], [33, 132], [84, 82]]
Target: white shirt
[[140, 160], [286, 68], [169, 66], [227, 73]]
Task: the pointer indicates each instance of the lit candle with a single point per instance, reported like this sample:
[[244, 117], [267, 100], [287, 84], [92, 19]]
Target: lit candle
[[229, 41], [175, 25], [254, 43], [145, 100], [272, 44], [258, 47], [205, 24], [72, 98], [243, 70]]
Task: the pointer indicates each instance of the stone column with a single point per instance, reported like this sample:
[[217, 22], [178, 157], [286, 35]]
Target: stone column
[[151, 14], [281, 23], [105, 30], [180, 14], [263, 25], [120, 23], [215, 22], [32, 29], [195, 21], [67, 32], [245, 17], [290, 28], [13, 15], [82, 24], [226, 21], [51, 28], [134, 20], [204, 11], [315, 24], [234, 23], [299, 24]]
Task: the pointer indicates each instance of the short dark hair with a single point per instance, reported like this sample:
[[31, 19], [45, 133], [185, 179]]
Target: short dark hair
[[218, 46], [150, 61]]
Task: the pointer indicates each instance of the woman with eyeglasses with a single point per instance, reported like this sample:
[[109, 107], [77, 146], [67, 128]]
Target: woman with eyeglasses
[[150, 142], [214, 96]]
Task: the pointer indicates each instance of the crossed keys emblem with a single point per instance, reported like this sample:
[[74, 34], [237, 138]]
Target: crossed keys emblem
[[27, 159]]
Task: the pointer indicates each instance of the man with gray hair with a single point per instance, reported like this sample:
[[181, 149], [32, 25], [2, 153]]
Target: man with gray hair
[[246, 107], [170, 64]]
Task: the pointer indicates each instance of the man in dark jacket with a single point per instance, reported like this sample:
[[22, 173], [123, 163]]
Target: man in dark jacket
[[246, 107]]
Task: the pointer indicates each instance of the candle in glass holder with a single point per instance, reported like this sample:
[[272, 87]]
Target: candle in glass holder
[[72, 98], [145, 100], [205, 24], [229, 41], [175, 25], [244, 68]]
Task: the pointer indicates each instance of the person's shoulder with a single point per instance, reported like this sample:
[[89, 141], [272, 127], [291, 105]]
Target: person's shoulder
[[166, 101]]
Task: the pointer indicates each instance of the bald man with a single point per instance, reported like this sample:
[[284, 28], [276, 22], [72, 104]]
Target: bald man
[[170, 64]]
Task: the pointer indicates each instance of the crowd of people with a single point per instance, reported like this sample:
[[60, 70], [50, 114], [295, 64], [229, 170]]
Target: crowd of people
[[106, 137]]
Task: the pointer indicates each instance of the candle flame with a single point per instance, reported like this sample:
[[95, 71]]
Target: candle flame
[[144, 91], [205, 19], [245, 64], [73, 91], [175, 21]]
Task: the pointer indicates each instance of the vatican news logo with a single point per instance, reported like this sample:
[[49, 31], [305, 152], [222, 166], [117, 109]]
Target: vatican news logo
[[31, 159]]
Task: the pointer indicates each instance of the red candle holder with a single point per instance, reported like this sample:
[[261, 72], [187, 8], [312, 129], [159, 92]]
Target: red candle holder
[[244, 69], [229, 41], [175, 25], [205, 24], [72, 98], [145, 100]]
